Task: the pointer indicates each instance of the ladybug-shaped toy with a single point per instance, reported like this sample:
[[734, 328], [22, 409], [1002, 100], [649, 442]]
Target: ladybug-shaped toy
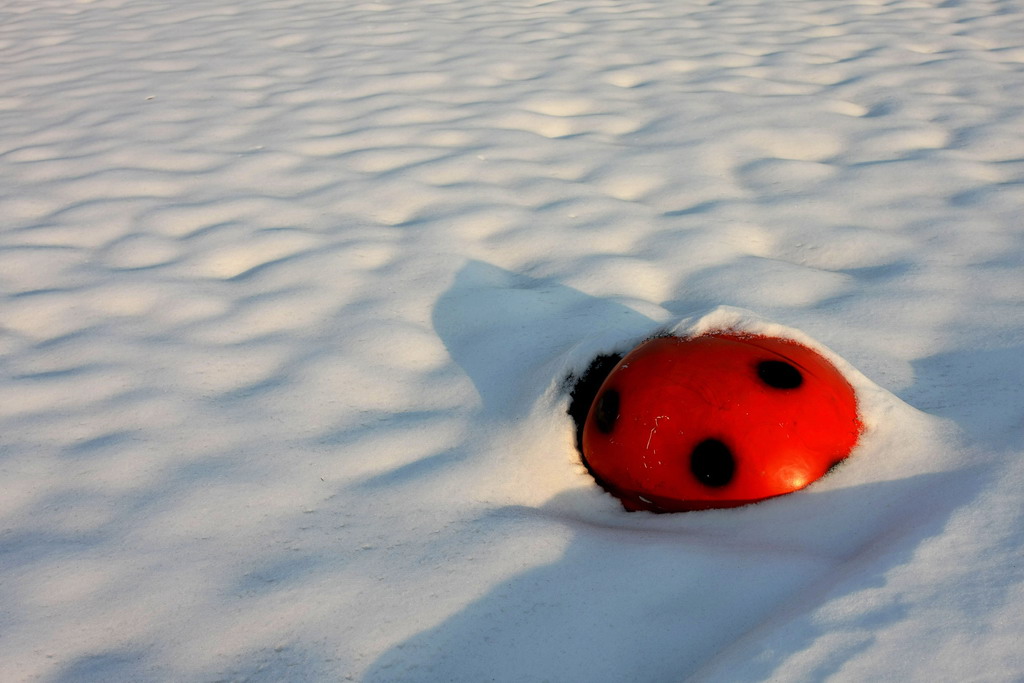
[[717, 420]]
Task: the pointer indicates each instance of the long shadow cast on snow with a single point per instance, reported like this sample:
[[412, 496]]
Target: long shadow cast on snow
[[640, 596], [499, 326], [636, 603], [955, 381]]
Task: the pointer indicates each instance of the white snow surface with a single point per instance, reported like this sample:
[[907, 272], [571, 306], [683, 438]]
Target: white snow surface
[[290, 290]]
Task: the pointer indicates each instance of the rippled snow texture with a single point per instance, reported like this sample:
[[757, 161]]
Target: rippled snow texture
[[289, 288]]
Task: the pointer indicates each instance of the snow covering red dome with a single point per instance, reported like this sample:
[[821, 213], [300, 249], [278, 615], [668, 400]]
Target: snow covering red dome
[[718, 420]]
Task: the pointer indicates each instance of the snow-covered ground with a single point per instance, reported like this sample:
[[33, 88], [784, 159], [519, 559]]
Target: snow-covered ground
[[290, 289]]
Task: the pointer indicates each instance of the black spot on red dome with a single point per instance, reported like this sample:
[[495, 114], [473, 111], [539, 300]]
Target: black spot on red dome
[[583, 390], [712, 463], [606, 413], [779, 374]]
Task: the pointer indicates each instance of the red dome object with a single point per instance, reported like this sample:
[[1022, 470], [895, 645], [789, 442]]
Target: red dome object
[[717, 421]]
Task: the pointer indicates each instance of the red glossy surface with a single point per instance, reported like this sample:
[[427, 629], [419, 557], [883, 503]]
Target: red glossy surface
[[755, 438]]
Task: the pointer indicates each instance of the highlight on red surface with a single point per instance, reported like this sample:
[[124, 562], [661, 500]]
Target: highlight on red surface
[[718, 420]]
